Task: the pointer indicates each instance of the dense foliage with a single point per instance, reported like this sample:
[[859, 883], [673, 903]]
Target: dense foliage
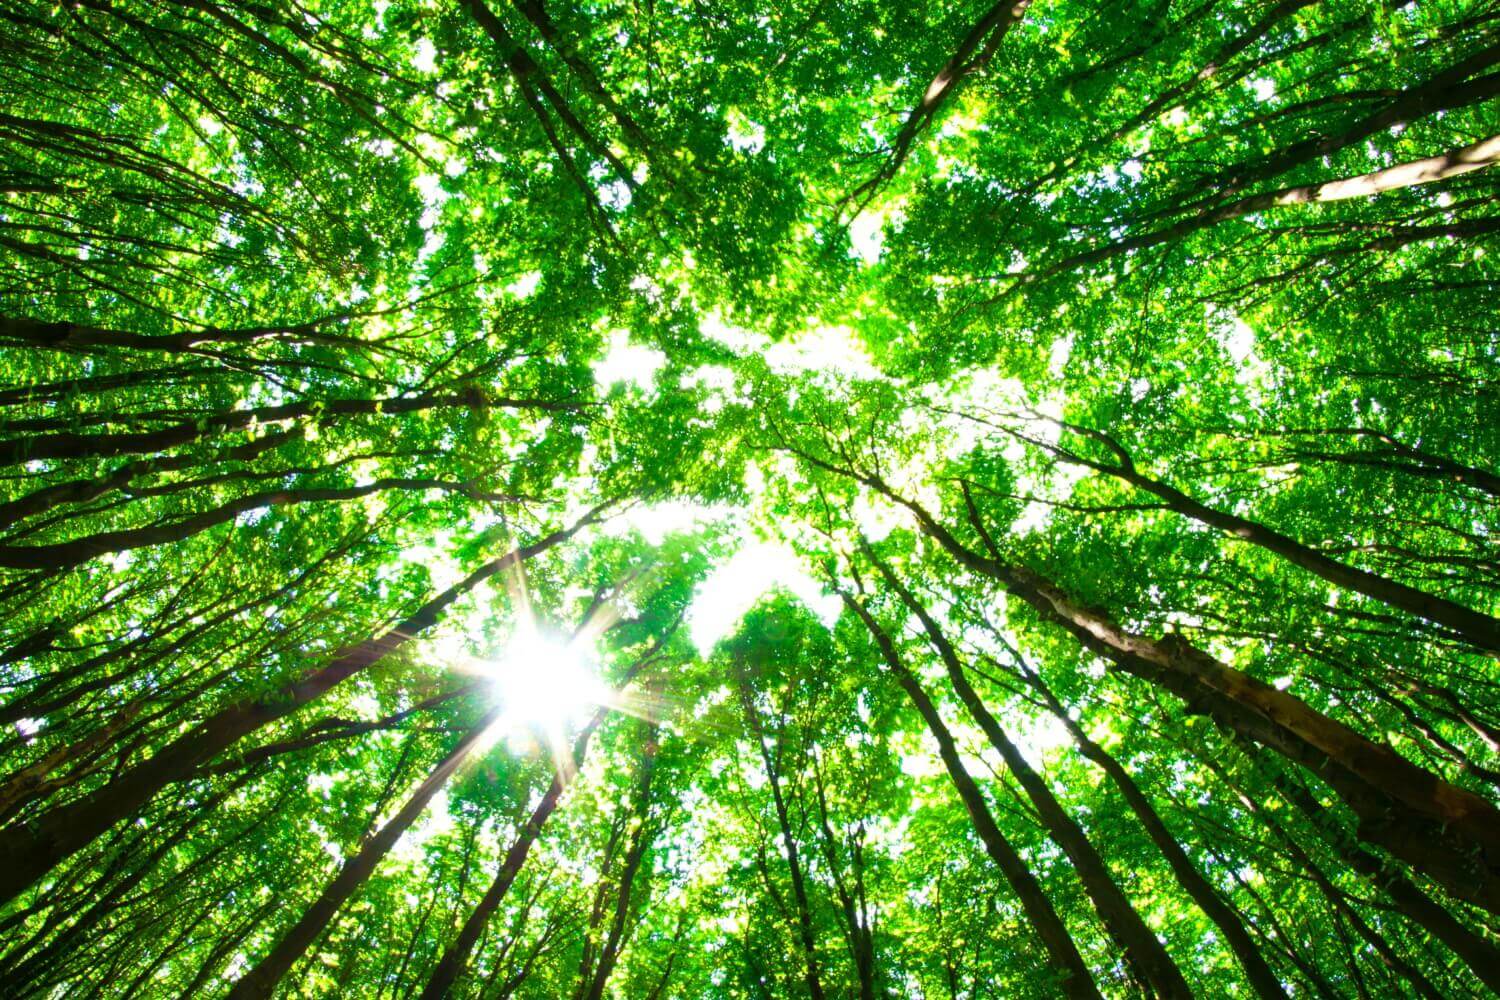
[[388, 386]]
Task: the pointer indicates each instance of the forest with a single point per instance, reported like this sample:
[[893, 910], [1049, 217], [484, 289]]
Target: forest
[[711, 500]]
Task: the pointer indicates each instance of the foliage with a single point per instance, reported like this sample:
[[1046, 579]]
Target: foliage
[[1123, 376]]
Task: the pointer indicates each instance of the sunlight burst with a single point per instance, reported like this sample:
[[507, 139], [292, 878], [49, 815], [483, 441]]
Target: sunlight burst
[[544, 683]]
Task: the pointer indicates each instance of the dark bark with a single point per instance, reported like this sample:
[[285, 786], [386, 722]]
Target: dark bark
[[109, 894], [1400, 456], [1482, 958], [65, 555], [1476, 627], [65, 335], [536, 12], [69, 445], [39, 846], [1065, 959], [1444, 831], [1335, 897], [328, 730], [858, 929], [78, 491], [967, 59], [640, 842], [1211, 68], [805, 934], [1151, 966], [1447, 89], [34, 780], [231, 941], [1434, 168], [45, 698], [455, 958], [532, 78], [262, 980], [1262, 979]]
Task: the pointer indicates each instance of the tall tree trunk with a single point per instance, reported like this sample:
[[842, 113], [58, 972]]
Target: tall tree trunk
[[1262, 979], [640, 842], [1398, 456], [860, 934], [232, 940], [1425, 171], [80, 491], [68, 445], [1447, 89], [108, 895], [1444, 831], [71, 336], [1065, 958], [1482, 957], [455, 958], [805, 933], [33, 850], [973, 54], [536, 12], [21, 787], [1452, 87], [1152, 967], [262, 980], [1476, 627], [65, 555], [1336, 900]]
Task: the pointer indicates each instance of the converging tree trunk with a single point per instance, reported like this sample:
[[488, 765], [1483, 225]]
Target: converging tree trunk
[[1225, 918], [1441, 830], [455, 958], [805, 934], [35, 849], [1075, 979], [1153, 968], [262, 980], [1476, 627]]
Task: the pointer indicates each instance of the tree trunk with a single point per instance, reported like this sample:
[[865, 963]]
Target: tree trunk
[[34, 850], [262, 980], [614, 941], [1476, 627], [1445, 90], [80, 491], [1444, 831], [1152, 967], [1482, 958], [29, 782], [68, 445], [1262, 979], [65, 555], [805, 932], [1076, 980], [455, 958], [989, 31], [860, 934], [1331, 892]]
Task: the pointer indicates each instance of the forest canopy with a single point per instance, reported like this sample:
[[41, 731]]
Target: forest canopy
[[825, 499]]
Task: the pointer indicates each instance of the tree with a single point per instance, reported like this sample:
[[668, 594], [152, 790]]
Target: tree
[[836, 499]]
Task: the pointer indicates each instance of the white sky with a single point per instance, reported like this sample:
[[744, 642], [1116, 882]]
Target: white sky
[[732, 590], [624, 361]]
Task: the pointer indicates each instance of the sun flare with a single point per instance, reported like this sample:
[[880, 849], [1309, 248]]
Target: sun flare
[[544, 683]]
